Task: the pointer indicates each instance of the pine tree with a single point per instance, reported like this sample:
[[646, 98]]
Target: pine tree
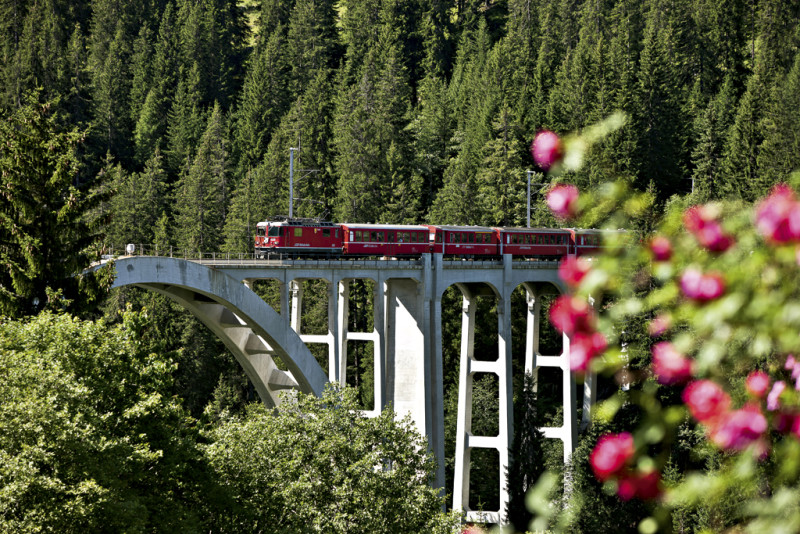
[[186, 120], [112, 97], [526, 457], [264, 99], [202, 193], [779, 154], [472, 97], [711, 129], [311, 42], [45, 229], [141, 70], [432, 128], [740, 175], [371, 116], [240, 226], [662, 81]]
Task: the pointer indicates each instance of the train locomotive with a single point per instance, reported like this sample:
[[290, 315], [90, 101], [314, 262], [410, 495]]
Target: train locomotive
[[310, 238]]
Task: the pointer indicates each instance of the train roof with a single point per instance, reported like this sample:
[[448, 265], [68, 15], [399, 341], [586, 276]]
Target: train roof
[[299, 222]]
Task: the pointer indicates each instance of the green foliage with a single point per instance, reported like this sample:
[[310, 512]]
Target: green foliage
[[45, 231], [92, 439], [317, 465]]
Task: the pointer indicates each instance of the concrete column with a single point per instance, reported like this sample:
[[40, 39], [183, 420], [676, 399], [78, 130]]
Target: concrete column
[[506, 426], [405, 351], [532, 331], [568, 401], [296, 289], [284, 289], [589, 392], [379, 344], [464, 420], [338, 316]]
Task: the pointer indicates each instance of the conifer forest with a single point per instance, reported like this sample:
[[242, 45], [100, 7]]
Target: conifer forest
[[169, 123]]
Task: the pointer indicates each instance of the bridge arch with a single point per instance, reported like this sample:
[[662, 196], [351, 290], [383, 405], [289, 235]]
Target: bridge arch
[[248, 326]]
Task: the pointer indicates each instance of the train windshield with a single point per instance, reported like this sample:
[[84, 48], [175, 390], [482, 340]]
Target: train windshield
[[274, 231]]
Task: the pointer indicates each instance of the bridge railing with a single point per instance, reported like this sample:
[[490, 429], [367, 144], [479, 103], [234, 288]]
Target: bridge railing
[[247, 258]]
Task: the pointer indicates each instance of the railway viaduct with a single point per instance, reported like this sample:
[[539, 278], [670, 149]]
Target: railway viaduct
[[406, 337]]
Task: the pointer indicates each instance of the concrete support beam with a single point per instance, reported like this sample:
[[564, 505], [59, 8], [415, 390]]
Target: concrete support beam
[[405, 351], [464, 420]]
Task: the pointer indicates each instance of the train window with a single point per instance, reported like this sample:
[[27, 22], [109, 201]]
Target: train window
[[471, 238], [438, 238], [352, 236], [274, 231], [358, 235], [391, 237], [326, 232], [336, 233], [298, 232], [374, 237]]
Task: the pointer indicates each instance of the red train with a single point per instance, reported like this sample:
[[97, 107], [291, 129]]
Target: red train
[[312, 238]]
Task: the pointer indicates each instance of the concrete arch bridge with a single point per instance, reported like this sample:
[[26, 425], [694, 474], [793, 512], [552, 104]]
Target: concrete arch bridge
[[406, 337]]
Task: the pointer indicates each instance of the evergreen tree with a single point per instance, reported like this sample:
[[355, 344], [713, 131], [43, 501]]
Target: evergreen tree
[[202, 193], [186, 120], [661, 155], [779, 154], [138, 202], [526, 457], [141, 70], [432, 129], [371, 116], [468, 89], [240, 226], [264, 99], [711, 129], [112, 87], [740, 176], [311, 42], [45, 230]]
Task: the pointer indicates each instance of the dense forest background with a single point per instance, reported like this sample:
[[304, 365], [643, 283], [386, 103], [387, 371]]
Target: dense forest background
[[406, 110]]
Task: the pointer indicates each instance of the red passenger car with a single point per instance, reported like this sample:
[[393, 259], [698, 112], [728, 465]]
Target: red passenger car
[[535, 242], [588, 242], [302, 237], [465, 241], [394, 241]]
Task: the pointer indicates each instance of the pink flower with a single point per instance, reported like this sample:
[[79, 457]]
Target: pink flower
[[757, 383], [570, 314], [706, 400], [546, 149], [661, 248], [790, 362], [669, 365], [773, 399], [611, 454], [583, 347], [778, 215], [659, 325], [738, 429], [701, 287], [700, 221], [563, 201], [572, 270], [644, 486]]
